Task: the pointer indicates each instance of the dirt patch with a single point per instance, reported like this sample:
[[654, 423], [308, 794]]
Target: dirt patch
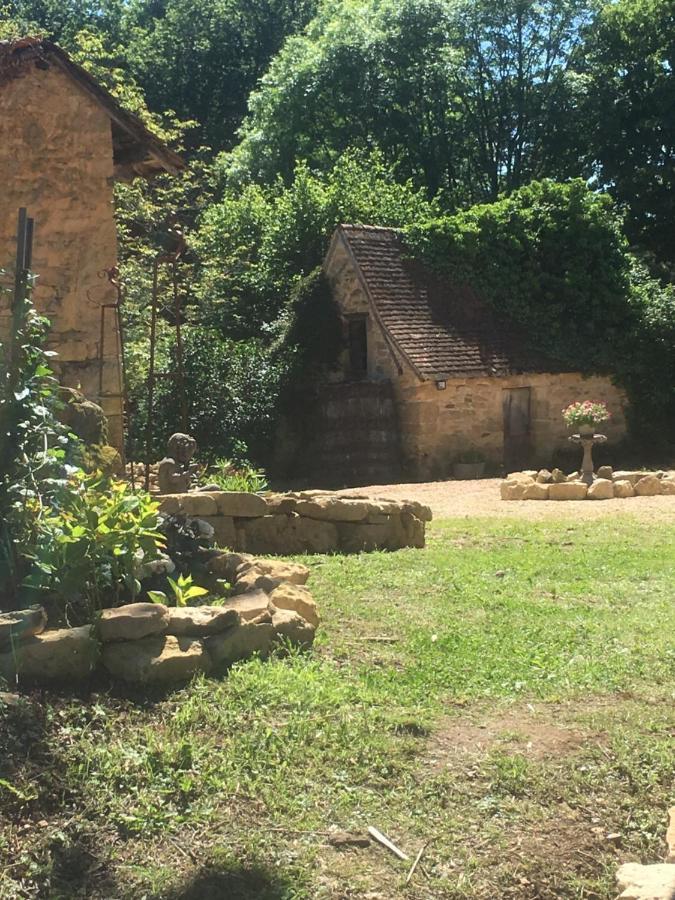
[[530, 732], [463, 499]]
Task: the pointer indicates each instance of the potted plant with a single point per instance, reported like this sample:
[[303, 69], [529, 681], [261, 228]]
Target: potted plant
[[469, 464], [585, 416]]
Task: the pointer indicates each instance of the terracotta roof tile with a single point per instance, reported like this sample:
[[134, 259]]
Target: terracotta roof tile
[[443, 330]]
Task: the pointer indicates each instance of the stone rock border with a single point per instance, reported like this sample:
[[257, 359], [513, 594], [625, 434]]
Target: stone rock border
[[608, 485], [304, 522], [149, 643]]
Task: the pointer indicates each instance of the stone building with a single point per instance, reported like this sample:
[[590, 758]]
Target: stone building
[[430, 373], [64, 141]]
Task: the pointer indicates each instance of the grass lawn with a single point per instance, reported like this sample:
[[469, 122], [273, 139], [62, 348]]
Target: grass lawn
[[506, 695]]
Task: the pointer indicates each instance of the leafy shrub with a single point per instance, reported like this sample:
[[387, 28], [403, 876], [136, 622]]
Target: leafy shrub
[[232, 394], [90, 548], [34, 445], [182, 592], [229, 475]]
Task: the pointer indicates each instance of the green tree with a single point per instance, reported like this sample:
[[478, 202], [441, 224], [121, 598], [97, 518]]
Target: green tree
[[202, 58], [257, 243], [461, 97], [629, 64]]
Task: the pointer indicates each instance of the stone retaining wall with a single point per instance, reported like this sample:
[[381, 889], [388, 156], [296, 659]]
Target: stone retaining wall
[[149, 643], [608, 485], [307, 522]]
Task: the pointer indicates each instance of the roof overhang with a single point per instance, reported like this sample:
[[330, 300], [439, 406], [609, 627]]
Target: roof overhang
[[136, 150]]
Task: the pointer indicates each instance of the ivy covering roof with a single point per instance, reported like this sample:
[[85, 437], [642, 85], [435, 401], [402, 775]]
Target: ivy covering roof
[[442, 330]]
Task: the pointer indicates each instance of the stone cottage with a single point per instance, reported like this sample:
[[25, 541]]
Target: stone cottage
[[429, 372], [64, 142]]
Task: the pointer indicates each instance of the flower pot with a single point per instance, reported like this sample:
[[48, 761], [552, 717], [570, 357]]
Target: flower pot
[[464, 471], [587, 430]]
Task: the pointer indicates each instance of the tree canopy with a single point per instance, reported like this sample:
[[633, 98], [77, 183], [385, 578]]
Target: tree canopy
[[531, 142]]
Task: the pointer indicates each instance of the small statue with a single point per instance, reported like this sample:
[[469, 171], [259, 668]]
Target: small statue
[[176, 470]]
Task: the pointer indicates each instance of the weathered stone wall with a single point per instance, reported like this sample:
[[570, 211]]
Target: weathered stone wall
[[307, 522], [56, 159], [438, 425], [348, 290]]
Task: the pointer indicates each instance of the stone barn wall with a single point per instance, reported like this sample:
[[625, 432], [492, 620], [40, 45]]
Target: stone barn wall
[[437, 425], [56, 158]]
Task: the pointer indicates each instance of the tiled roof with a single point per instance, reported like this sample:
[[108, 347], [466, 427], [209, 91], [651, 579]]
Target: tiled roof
[[442, 330], [135, 148]]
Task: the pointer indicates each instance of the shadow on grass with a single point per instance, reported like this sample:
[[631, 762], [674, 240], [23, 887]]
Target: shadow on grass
[[248, 881]]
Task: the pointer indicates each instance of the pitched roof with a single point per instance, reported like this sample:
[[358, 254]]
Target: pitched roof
[[442, 330], [136, 151]]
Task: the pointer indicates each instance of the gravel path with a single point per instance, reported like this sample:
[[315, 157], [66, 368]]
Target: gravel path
[[481, 498]]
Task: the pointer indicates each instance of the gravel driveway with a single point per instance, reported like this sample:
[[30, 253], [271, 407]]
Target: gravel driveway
[[481, 498]]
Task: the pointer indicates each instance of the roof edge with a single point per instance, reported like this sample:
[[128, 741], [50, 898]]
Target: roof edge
[[341, 232], [166, 158]]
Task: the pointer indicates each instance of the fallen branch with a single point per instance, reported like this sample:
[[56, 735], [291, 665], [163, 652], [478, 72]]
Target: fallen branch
[[415, 864], [386, 842]]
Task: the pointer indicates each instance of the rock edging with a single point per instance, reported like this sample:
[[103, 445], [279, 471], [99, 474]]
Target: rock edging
[[304, 522], [608, 485], [149, 643]]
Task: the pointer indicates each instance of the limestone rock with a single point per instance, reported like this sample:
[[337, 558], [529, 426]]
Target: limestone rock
[[290, 625], [544, 476], [656, 882], [633, 477], [289, 534], [253, 579], [571, 490], [160, 659], [601, 489], [224, 532], [670, 836], [668, 486], [357, 537], [575, 476], [280, 503], [65, 654], [199, 621], [558, 476], [241, 642], [333, 509], [649, 486], [225, 565], [413, 531], [524, 477], [606, 472], [195, 503], [623, 489], [419, 510], [240, 504], [298, 599], [132, 622], [513, 490], [21, 624], [293, 573], [83, 417], [536, 491], [249, 606]]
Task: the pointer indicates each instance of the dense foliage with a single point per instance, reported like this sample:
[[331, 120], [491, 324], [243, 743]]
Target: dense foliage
[[297, 114], [554, 259]]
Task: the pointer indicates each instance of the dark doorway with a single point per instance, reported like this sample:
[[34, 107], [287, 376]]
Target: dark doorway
[[357, 337], [517, 443]]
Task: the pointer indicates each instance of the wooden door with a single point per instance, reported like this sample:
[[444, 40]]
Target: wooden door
[[517, 444]]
